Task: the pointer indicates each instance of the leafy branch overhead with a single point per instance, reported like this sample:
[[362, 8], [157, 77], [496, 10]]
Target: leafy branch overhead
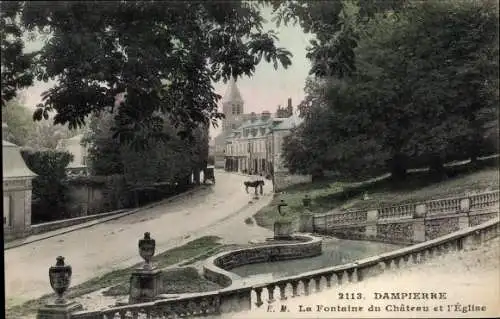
[[162, 55]]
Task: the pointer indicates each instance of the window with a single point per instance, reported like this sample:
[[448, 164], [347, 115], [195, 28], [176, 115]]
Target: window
[[233, 126], [84, 160]]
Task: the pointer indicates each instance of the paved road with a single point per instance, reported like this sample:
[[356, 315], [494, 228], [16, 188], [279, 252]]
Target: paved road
[[113, 245]]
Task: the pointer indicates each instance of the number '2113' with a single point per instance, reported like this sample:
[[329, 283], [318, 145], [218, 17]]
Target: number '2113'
[[349, 295]]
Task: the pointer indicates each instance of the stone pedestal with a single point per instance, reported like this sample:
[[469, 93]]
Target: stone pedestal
[[283, 230], [371, 227], [58, 310], [145, 285], [306, 222], [419, 230]]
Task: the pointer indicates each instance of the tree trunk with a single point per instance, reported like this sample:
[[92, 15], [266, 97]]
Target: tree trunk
[[398, 167], [436, 167]]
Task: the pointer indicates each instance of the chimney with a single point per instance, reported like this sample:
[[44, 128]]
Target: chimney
[[265, 115], [253, 117]]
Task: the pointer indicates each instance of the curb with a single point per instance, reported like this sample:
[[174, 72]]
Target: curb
[[103, 220]]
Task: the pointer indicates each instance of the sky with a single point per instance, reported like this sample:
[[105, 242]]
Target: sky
[[265, 90]]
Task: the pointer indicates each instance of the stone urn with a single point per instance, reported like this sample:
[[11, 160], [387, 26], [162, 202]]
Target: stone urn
[[60, 279], [306, 201], [147, 247]]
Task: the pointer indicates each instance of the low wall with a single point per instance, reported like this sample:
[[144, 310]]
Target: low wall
[[410, 223], [45, 227], [240, 299], [217, 267]]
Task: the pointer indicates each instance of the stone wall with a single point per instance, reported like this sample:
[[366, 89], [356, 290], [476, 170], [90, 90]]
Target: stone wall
[[413, 222], [85, 200], [217, 267], [19, 210]]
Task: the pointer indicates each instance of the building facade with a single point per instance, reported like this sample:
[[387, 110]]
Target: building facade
[[74, 146], [234, 116], [17, 188]]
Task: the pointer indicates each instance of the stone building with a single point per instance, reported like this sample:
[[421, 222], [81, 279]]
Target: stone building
[[281, 176], [17, 178], [78, 166], [234, 112]]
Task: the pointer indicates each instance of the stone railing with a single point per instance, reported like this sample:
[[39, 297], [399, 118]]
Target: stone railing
[[217, 267], [241, 298], [412, 222]]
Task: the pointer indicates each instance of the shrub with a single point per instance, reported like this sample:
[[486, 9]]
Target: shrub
[[49, 189]]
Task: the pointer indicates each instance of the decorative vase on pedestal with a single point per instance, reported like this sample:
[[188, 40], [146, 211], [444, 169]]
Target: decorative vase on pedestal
[[60, 279], [146, 281], [147, 247]]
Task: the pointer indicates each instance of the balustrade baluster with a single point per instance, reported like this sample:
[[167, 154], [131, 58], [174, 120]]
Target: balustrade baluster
[[270, 291], [339, 277], [406, 258], [295, 285], [306, 286], [134, 314], [258, 293], [122, 314], [317, 281], [414, 258], [387, 264], [349, 273], [397, 260], [328, 280], [282, 288]]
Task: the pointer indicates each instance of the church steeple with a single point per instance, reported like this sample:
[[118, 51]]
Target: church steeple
[[232, 95], [232, 107]]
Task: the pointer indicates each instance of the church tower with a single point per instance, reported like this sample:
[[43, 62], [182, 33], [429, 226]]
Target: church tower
[[232, 107]]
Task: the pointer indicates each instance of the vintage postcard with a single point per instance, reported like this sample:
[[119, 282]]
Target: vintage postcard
[[250, 159]]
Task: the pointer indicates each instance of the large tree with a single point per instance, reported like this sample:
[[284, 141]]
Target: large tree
[[162, 55], [16, 64], [422, 88]]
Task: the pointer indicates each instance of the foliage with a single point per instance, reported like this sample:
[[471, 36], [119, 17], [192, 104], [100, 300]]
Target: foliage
[[161, 56], [16, 72], [22, 131], [336, 26], [413, 98], [170, 161], [49, 189], [19, 123]]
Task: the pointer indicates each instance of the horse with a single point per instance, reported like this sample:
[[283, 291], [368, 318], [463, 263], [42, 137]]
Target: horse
[[254, 184]]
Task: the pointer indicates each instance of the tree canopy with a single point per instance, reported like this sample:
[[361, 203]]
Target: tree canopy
[[162, 55], [424, 89]]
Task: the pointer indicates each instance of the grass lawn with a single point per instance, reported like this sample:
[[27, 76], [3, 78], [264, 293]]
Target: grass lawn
[[192, 251], [182, 280], [382, 191]]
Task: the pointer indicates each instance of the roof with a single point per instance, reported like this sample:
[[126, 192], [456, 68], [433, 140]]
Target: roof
[[232, 93], [289, 123], [14, 166]]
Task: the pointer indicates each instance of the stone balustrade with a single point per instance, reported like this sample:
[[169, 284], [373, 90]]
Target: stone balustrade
[[412, 222], [233, 299]]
